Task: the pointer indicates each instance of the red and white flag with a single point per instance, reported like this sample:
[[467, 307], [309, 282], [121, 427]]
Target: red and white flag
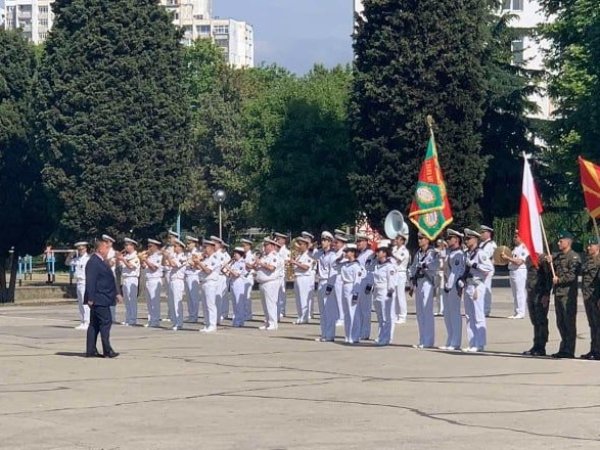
[[530, 222]]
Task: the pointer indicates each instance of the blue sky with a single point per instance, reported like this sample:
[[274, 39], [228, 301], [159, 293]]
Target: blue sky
[[295, 33]]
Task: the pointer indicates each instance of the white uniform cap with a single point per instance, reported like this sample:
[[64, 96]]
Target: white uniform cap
[[155, 242], [280, 235], [208, 242], [173, 233], [130, 241], [350, 247], [246, 241], [306, 234], [216, 239], [179, 242], [486, 228], [271, 241], [327, 235], [81, 244], [303, 239], [471, 233], [225, 244], [239, 250], [107, 238], [191, 239], [340, 232], [341, 238], [384, 243], [450, 233]]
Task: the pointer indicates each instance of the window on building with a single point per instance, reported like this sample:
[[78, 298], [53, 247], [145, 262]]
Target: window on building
[[43, 10], [221, 29], [203, 29], [518, 49], [43, 22]]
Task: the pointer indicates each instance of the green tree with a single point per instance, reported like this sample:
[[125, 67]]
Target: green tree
[[114, 123], [415, 58], [25, 224]]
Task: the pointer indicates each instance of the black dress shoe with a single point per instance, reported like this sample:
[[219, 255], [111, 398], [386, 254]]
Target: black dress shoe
[[562, 355], [111, 354], [94, 355], [538, 353], [529, 352], [587, 355], [594, 357]]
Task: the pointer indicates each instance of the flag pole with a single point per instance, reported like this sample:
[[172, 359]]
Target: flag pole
[[595, 227], [430, 123]]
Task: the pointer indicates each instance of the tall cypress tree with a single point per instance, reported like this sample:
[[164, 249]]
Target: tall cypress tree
[[115, 119], [414, 58]]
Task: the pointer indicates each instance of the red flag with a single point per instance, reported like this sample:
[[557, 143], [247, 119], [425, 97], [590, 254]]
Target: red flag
[[590, 182], [530, 229]]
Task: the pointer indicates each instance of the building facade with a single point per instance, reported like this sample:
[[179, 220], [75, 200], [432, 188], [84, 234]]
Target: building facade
[[34, 17]]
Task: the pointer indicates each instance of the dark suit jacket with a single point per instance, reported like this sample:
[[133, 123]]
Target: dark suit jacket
[[100, 285]]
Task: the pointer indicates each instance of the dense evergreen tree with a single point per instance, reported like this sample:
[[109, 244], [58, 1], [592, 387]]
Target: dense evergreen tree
[[115, 118], [414, 58], [25, 221]]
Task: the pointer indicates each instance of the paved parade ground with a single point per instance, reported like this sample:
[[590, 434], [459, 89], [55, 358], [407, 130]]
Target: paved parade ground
[[247, 389]]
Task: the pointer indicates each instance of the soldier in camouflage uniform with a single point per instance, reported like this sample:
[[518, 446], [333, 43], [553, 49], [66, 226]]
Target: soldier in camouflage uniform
[[590, 282], [567, 266], [539, 287]]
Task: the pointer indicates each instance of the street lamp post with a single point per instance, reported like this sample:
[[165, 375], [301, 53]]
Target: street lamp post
[[220, 196]]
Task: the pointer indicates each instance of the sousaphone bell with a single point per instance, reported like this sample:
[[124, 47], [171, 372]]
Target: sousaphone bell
[[394, 224]]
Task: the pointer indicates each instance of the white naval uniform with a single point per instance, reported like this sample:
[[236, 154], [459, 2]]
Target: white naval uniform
[[422, 273], [222, 294], [439, 282], [240, 289], [340, 258], [130, 279], [518, 278], [250, 260], [455, 270], [167, 273], [352, 274], [304, 280], [489, 247], [79, 262], [384, 286], [479, 266], [154, 283], [270, 286], [111, 258], [402, 257], [365, 301], [192, 285], [177, 287], [210, 283], [284, 255], [328, 311]]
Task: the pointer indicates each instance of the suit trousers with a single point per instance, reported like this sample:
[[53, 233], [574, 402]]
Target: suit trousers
[[100, 323]]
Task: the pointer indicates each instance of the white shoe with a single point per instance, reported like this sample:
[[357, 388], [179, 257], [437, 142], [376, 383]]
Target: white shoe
[[322, 339], [518, 317], [165, 319], [418, 346], [176, 328], [472, 350], [82, 326], [125, 324], [400, 321], [339, 323], [300, 322], [443, 347]]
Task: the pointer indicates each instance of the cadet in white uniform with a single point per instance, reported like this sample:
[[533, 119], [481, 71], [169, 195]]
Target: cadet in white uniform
[[237, 274], [177, 262], [209, 281], [339, 244], [479, 266], [518, 276], [268, 270], [438, 293], [222, 297], [312, 251], [422, 272], [153, 271], [367, 260], [192, 278], [250, 259], [79, 262], [326, 279], [488, 245], [304, 280], [168, 250], [384, 287], [130, 278], [402, 257], [111, 258], [352, 274], [455, 270], [284, 254]]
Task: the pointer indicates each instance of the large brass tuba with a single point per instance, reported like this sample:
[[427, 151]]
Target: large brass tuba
[[394, 224]]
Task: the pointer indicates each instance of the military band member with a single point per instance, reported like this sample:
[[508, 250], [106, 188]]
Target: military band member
[[177, 262], [237, 275], [284, 255], [250, 259], [268, 270], [111, 260], [352, 274], [222, 297], [367, 259], [402, 258], [422, 274], [488, 246], [539, 287], [384, 288], [130, 278], [210, 267], [326, 279], [192, 279], [455, 269], [79, 263], [339, 243], [479, 266], [518, 276], [171, 237], [151, 262], [312, 251], [590, 287], [304, 280], [567, 266]]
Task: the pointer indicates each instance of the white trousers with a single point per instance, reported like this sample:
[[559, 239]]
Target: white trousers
[[130, 298], [518, 279], [84, 310], [270, 294], [329, 311], [239, 290], [352, 326], [425, 318], [177, 289], [439, 293], [383, 309], [153, 291], [170, 313], [223, 298], [303, 286], [365, 305], [453, 319], [113, 313], [400, 297], [192, 284], [339, 296], [281, 297], [210, 289], [474, 312], [487, 304], [250, 285]]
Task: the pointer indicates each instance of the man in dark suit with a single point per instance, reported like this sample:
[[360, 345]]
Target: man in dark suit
[[100, 295]]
